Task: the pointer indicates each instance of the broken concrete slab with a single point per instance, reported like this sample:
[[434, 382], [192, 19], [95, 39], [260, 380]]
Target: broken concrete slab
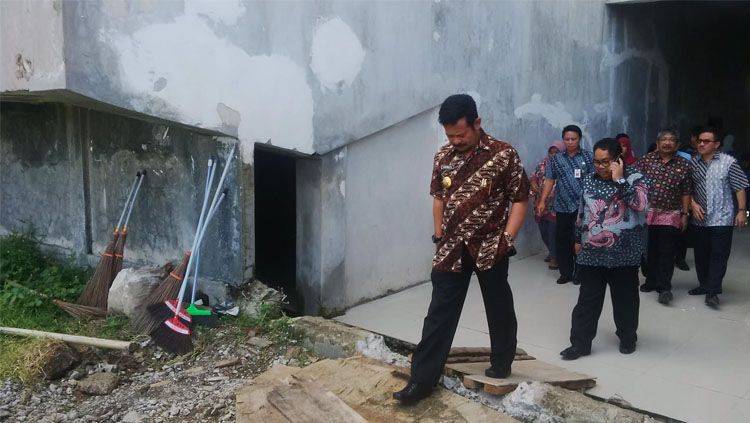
[[538, 401], [366, 386], [328, 338], [256, 294]]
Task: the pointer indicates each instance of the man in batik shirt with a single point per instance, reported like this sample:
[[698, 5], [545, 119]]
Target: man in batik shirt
[[475, 179], [717, 177], [669, 202], [610, 240]]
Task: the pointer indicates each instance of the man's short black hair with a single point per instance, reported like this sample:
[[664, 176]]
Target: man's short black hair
[[718, 136], [572, 128], [695, 131], [609, 144], [456, 107]]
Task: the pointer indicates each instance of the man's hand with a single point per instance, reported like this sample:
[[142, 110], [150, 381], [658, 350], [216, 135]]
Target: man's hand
[[684, 222], [698, 212], [540, 206], [617, 169], [577, 248], [740, 220]]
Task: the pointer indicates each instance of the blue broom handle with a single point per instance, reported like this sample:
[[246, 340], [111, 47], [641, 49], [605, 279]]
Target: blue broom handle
[[135, 194], [127, 201]]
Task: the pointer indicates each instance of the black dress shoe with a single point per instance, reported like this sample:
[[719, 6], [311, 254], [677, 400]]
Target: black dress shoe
[[573, 353], [697, 291], [413, 393], [665, 297], [497, 373], [562, 280], [712, 300], [682, 265], [646, 288], [627, 349]]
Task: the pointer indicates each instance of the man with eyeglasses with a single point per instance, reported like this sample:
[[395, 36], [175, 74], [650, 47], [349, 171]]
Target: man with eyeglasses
[[669, 202], [716, 178], [610, 240]]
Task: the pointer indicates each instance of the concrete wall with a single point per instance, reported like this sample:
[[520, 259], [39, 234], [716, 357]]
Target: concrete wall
[[67, 171], [31, 45], [355, 84]]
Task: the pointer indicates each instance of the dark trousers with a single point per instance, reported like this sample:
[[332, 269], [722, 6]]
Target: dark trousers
[[662, 245], [711, 245], [683, 242], [623, 285], [448, 293], [565, 240], [547, 228]]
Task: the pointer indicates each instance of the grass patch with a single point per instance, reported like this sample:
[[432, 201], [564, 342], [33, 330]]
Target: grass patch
[[28, 280]]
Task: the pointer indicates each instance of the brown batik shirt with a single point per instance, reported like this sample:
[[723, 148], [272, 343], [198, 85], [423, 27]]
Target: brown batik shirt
[[483, 183]]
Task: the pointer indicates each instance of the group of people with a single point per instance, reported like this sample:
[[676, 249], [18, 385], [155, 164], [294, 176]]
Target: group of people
[[595, 210]]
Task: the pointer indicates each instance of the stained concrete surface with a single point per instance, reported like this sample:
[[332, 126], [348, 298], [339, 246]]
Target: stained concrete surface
[[691, 364]]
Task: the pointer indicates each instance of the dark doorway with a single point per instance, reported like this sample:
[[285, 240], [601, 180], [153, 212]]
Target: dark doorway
[[276, 221]]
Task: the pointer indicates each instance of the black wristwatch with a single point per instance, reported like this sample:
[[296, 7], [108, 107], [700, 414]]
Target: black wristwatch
[[435, 239]]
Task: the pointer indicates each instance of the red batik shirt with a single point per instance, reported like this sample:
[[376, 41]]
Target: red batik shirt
[[483, 183], [670, 181]]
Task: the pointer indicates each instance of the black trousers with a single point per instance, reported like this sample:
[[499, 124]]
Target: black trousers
[[565, 243], [683, 242], [662, 247], [623, 285], [448, 294], [711, 245]]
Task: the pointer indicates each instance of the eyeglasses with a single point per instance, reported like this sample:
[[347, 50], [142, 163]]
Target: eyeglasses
[[700, 141], [668, 139], [603, 163]]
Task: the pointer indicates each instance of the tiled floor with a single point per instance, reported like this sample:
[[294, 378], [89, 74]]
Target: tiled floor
[[692, 362]]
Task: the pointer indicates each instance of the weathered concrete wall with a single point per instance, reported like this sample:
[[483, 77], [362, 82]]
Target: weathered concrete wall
[[41, 176], [31, 45], [67, 170]]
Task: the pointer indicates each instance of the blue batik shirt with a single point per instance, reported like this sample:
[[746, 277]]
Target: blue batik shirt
[[568, 172], [714, 187], [611, 225]]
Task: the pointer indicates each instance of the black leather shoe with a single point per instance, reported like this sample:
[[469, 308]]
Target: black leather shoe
[[413, 393], [562, 280], [665, 297], [576, 282], [627, 349], [682, 265], [697, 291], [497, 373], [646, 288], [573, 353], [712, 300]]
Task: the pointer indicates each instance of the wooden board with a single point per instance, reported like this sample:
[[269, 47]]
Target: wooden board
[[476, 351], [482, 359], [523, 371], [308, 402], [367, 387]]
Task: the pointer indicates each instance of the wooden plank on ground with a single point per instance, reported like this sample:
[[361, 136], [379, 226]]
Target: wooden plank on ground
[[482, 359], [476, 351], [523, 371], [308, 402]]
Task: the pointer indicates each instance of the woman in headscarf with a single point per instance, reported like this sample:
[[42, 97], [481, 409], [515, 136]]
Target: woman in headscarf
[[627, 150], [546, 219]]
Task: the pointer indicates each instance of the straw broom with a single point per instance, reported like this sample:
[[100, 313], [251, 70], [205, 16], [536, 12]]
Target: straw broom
[[120, 244], [96, 291], [173, 335], [166, 290]]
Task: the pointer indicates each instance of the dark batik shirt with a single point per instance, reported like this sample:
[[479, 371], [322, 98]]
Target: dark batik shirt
[[483, 183], [715, 184], [670, 181], [563, 169], [611, 221]]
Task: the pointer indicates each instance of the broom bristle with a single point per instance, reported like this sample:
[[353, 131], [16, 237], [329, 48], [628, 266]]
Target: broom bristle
[[149, 317], [173, 336], [96, 291], [80, 311], [209, 321], [119, 254], [169, 288]]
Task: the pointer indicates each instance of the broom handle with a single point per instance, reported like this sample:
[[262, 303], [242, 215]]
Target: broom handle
[[200, 242], [196, 253], [181, 295], [223, 175], [73, 339], [130, 194], [132, 202]]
